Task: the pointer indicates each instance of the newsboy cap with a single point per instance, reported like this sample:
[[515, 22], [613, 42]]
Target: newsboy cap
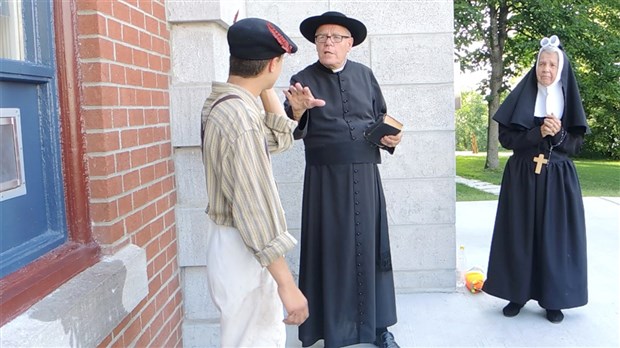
[[258, 39]]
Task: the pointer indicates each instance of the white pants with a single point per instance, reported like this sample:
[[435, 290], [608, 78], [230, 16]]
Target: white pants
[[244, 292]]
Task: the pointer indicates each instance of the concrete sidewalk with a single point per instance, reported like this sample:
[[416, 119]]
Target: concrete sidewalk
[[461, 319]]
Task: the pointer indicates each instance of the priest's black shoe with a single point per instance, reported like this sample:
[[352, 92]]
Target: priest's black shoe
[[386, 340], [555, 316], [512, 309]]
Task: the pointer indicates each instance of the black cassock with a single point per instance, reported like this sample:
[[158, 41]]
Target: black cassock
[[345, 264], [538, 249]]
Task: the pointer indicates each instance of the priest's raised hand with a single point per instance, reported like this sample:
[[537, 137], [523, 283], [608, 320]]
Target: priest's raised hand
[[301, 99]]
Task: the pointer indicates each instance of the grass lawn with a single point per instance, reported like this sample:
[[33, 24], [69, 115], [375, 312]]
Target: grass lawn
[[465, 193], [597, 178]]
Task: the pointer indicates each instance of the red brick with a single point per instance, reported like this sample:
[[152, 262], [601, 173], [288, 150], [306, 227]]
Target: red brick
[[127, 96], [141, 58], [105, 234], [115, 30], [95, 5], [132, 332], [165, 64], [137, 18], [138, 158], [154, 62], [133, 222], [103, 212], [100, 96], [143, 236], [159, 11], [163, 30], [96, 48], [101, 165], [145, 136], [117, 74], [143, 97], [121, 11], [123, 54], [105, 188], [162, 81], [131, 36], [119, 117], [91, 24], [102, 142], [153, 154], [123, 161], [125, 204], [131, 180], [129, 138], [146, 6], [140, 198], [95, 72], [97, 119], [149, 213]]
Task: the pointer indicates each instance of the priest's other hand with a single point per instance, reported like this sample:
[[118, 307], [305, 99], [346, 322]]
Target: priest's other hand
[[301, 99], [392, 140]]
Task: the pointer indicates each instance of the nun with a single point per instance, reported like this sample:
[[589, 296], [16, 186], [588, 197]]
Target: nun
[[538, 250]]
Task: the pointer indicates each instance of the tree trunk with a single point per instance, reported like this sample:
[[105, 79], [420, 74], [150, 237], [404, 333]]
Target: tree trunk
[[496, 41]]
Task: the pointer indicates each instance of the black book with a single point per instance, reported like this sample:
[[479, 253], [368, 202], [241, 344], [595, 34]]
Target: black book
[[386, 125]]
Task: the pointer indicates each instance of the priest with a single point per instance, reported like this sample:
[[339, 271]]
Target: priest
[[345, 262]]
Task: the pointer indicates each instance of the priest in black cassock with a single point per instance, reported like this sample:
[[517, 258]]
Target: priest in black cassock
[[538, 249], [345, 262]]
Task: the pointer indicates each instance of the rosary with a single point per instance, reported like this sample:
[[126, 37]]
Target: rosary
[[540, 159]]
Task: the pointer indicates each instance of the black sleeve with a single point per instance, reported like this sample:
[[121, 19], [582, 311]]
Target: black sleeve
[[514, 139]]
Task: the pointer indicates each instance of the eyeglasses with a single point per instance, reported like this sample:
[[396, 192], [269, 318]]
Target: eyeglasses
[[322, 38]]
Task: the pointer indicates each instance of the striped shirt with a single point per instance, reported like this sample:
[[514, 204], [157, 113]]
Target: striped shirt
[[239, 138]]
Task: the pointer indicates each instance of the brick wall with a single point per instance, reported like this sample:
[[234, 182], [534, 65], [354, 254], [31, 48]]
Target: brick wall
[[124, 58]]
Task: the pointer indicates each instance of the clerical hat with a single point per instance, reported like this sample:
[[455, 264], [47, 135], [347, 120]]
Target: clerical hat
[[309, 26], [258, 39]]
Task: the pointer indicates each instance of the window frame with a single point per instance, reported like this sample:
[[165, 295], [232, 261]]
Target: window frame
[[23, 288]]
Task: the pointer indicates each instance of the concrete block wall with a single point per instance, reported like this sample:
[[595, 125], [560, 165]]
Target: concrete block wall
[[410, 49]]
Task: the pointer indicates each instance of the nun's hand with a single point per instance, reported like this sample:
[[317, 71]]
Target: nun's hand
[[552, 124], [301, 99]]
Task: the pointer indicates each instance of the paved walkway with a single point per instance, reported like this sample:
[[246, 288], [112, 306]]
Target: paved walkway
[[460, 319], [480, 185]]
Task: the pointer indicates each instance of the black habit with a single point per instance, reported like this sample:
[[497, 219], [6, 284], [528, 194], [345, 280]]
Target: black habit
[[538, 249], [345, 265]]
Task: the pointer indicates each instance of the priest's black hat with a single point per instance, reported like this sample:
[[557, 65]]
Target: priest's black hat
[[309, 26], [258, 39]]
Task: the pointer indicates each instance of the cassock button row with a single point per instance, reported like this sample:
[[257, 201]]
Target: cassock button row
[[357, 192], [357, 233], [355, 181], [357, 213], [353, 138], [355, 170]]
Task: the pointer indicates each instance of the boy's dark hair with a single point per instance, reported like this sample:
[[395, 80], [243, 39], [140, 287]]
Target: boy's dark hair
[[246, 68]]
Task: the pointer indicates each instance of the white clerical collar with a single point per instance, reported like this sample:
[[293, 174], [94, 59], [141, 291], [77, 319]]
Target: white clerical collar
[[339, 69]]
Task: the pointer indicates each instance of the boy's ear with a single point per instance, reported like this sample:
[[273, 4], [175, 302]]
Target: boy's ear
[[273, 62]]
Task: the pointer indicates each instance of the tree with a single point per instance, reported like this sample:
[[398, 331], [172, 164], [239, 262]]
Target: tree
[[471, 122], [509, 32]]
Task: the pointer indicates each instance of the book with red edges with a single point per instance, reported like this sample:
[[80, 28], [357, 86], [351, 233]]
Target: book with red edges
[[386, 125]]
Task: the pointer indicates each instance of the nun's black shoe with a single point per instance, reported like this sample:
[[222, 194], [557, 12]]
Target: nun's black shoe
[[555, 316], [512, 309], [386, 340]]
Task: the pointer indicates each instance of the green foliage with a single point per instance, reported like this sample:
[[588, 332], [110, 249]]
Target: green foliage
[[589, 32], [471, 121]]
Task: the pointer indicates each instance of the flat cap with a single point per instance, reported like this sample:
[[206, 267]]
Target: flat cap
[[258, 39]]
